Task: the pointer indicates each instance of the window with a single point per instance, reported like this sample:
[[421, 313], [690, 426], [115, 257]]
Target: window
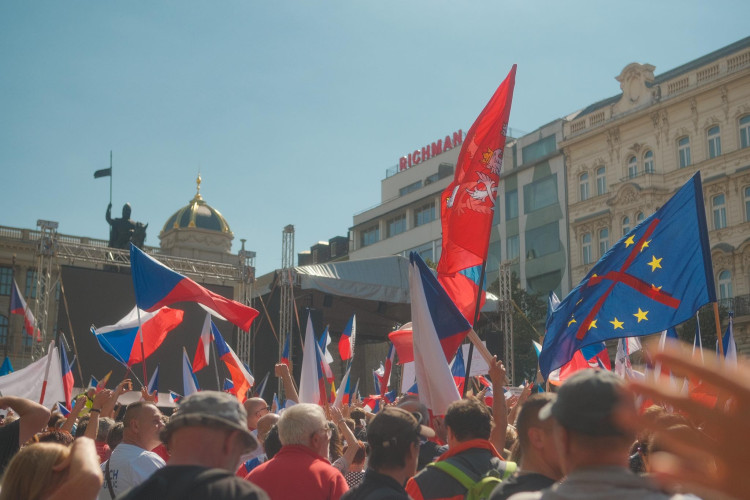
[[601, 181], [586, 249], [745, 131], [683, 151], [396, 225], [3, 330], [30, 284], [725, 285], [540, 194], [411, 187], [648, 162], [513, 247], [632, 167], [583, 182], [370, 236], [538, 149], [6, 278], [432, 178], [639, 217], [714, 142], [625, 225], [542, 240], [747, 204], [603, 241], [719, 208], [424, 214], [511, 205], [424, 251]]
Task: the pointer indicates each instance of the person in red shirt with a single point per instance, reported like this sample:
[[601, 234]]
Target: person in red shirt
[[301, 468]]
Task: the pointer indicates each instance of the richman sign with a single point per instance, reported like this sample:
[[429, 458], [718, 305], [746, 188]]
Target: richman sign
[[431, 150]]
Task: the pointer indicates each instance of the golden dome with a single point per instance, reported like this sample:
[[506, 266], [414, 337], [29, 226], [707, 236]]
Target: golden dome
[[197, 214]]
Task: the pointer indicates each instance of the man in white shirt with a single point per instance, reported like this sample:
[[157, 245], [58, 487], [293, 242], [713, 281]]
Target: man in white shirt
[[132, 462]]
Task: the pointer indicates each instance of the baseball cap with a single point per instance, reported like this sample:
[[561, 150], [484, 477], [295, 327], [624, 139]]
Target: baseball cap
[[393, 426], [585, 403], [211, 409]]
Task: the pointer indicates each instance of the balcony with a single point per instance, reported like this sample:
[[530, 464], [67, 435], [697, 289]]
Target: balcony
[[740, 305]]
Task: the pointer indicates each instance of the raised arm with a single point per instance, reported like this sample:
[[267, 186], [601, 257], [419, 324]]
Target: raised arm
[[78, 406], [84, 478], [108, 408], [100, 401], [499, 410], [282, 371], [34, 417]]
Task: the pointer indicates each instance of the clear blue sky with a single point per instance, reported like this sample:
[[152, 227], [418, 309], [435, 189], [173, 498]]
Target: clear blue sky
[[291, 110]]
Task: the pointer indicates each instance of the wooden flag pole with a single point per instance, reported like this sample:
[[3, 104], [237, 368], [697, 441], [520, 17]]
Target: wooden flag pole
[[476, 318], [483, 351], [718, 329]]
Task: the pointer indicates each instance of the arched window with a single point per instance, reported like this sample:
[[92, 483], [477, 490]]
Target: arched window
[[583, 182], [586, 249], [632, 167], [639, 218], [714, 141], [719, 207], [683, 151], [603, 241], [625, 225], [648, 162], [725, 285], [747, 204], [601, 181], [745, 131]]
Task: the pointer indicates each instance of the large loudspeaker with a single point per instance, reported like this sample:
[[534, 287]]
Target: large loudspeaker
[[494, 341]]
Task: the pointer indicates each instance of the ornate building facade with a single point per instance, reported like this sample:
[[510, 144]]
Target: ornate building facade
[[628, 154]]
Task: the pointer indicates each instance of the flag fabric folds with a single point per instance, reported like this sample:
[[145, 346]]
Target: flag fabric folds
[[438, 328], [153, 383], [343, 390], [189, 381], [241, 377], [655, 277], [348, 336], [122, 340], [468, 203], [402, 342], [105, 172], [174, 398], [262, 386], [67, 377], [6, 367], [311, 385], [729, 345], [19, 306], [285, 352], [202, 356], [157, 286], [228, 386], [62, 410], [29, 381], [458, 370], [102, 384], [389, 362], [324, 342]]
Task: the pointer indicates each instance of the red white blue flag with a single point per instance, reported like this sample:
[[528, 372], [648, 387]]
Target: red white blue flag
[[157, 286], [153, 384], [348, 336], [241, 376], [468, 204], [18, 306], [285, 352], [67, 377]]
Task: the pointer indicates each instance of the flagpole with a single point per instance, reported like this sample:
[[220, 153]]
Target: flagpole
[[718, 329], [216, 366], [476, 318], [46, 371], [143, 355], [10, 306], [110, 176]]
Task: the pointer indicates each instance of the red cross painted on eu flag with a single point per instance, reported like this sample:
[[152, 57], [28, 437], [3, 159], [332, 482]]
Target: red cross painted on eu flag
[[621, 276]]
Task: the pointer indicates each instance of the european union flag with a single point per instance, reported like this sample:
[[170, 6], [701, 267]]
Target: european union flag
[[655, 277]]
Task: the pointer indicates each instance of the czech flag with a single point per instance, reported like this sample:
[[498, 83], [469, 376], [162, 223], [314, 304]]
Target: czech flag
[[348, 336], [202, 355], [67, 377], [153, 383], [285, 353], [228, 386], [312, 387], [458, 369], [262, 386], [241, 378], [439, 327], [174, 397], [62, 410], [342, 398], [389, 361], [189, 381], [18, 306], [157, 286], [122, 340]]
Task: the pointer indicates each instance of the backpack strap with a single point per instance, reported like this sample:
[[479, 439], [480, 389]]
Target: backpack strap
[[109, 481], [455, 473]]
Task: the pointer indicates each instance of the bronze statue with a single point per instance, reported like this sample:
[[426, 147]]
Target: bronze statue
[[124, 230]]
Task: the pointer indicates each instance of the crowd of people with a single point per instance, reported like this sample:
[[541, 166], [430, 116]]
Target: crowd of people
[[590, 440]]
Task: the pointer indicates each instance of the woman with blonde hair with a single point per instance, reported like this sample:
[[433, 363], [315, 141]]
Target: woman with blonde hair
[[50, 471]]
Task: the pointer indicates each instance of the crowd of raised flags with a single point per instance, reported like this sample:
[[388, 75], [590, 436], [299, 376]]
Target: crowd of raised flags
[[645, 284]]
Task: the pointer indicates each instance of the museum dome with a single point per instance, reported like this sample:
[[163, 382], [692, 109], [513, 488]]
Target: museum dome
[[197, 214]]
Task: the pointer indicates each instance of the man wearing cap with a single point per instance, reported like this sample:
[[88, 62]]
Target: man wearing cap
[[132, 462], [593, 450], [539, 465], [206, 436], [301, 468], [393, 451], [469, 425]]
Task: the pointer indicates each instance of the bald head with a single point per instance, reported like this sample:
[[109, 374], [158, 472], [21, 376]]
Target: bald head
[[255, 408], [264, 425]]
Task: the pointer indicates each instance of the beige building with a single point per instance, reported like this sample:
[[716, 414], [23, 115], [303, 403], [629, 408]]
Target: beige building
[[628, 154]]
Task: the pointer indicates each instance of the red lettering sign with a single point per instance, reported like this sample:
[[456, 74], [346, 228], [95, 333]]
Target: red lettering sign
[[431, 150]]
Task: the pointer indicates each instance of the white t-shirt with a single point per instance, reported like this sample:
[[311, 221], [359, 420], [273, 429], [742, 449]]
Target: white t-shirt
[[129, 466]]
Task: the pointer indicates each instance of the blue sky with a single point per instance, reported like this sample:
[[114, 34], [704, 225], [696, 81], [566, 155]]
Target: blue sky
[[291, 110]]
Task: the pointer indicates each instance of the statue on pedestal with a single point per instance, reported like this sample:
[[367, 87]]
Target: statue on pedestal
[[125, 230]]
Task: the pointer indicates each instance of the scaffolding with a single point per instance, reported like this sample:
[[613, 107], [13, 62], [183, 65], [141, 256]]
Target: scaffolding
[[45, 254], [506, 315], [286, 307], [247, 279]]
